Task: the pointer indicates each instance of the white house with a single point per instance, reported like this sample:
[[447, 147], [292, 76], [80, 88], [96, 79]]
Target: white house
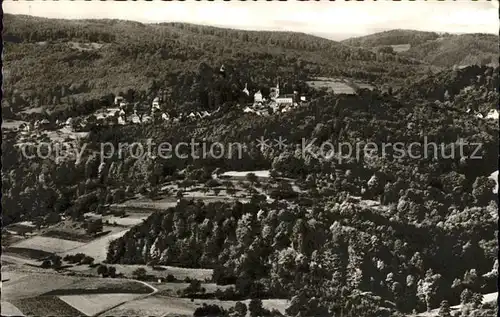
[[156, 103], [285, 99], [257, 97], [492, 114]]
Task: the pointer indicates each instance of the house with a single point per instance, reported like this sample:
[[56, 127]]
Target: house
[[287, 99], [118, 100], [492, 114], [69, 122], [156, 104], [257, 97]]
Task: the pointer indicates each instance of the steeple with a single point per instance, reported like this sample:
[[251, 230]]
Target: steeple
[[245, 90]]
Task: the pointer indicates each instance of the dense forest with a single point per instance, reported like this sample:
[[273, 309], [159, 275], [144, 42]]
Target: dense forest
[[444, 50], [432, 240]]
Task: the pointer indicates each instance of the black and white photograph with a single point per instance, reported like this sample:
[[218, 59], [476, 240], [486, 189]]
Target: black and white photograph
[[250, 158]]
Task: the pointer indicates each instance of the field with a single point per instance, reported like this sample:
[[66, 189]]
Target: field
[[332, 85], [92, 304], [24, 285], [47, 244], [98, 285], [236, 174], [10, 310], [11, 124], [338, 85], [97, 248], [163, 305], [46, 306]]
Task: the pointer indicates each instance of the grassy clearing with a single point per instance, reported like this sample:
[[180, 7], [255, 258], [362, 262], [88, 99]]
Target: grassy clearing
[[47, 244], [46, 306], [95, 303], [401, 47]]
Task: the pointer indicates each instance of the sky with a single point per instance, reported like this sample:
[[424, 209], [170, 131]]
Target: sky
[[336, 20]]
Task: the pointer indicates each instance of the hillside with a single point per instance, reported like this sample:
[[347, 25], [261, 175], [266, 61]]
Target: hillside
[[60, 63], [444, 50], [408, 244], [392, 37]]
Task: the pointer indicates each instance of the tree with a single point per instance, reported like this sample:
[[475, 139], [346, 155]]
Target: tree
[[94, 226], [102, 270], [255, 307], [240, 309], [252, 178], [111, 271], [482, 190], [444, 309], [386, 50], [56, 261], [87, 260], [139, 273]]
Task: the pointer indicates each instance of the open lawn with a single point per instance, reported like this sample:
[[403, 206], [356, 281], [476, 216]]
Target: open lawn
[[47, 244], [92, 304], [46, 306]]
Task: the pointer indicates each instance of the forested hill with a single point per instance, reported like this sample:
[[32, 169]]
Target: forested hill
[[392, 37], [52, 62], [444, 50]]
